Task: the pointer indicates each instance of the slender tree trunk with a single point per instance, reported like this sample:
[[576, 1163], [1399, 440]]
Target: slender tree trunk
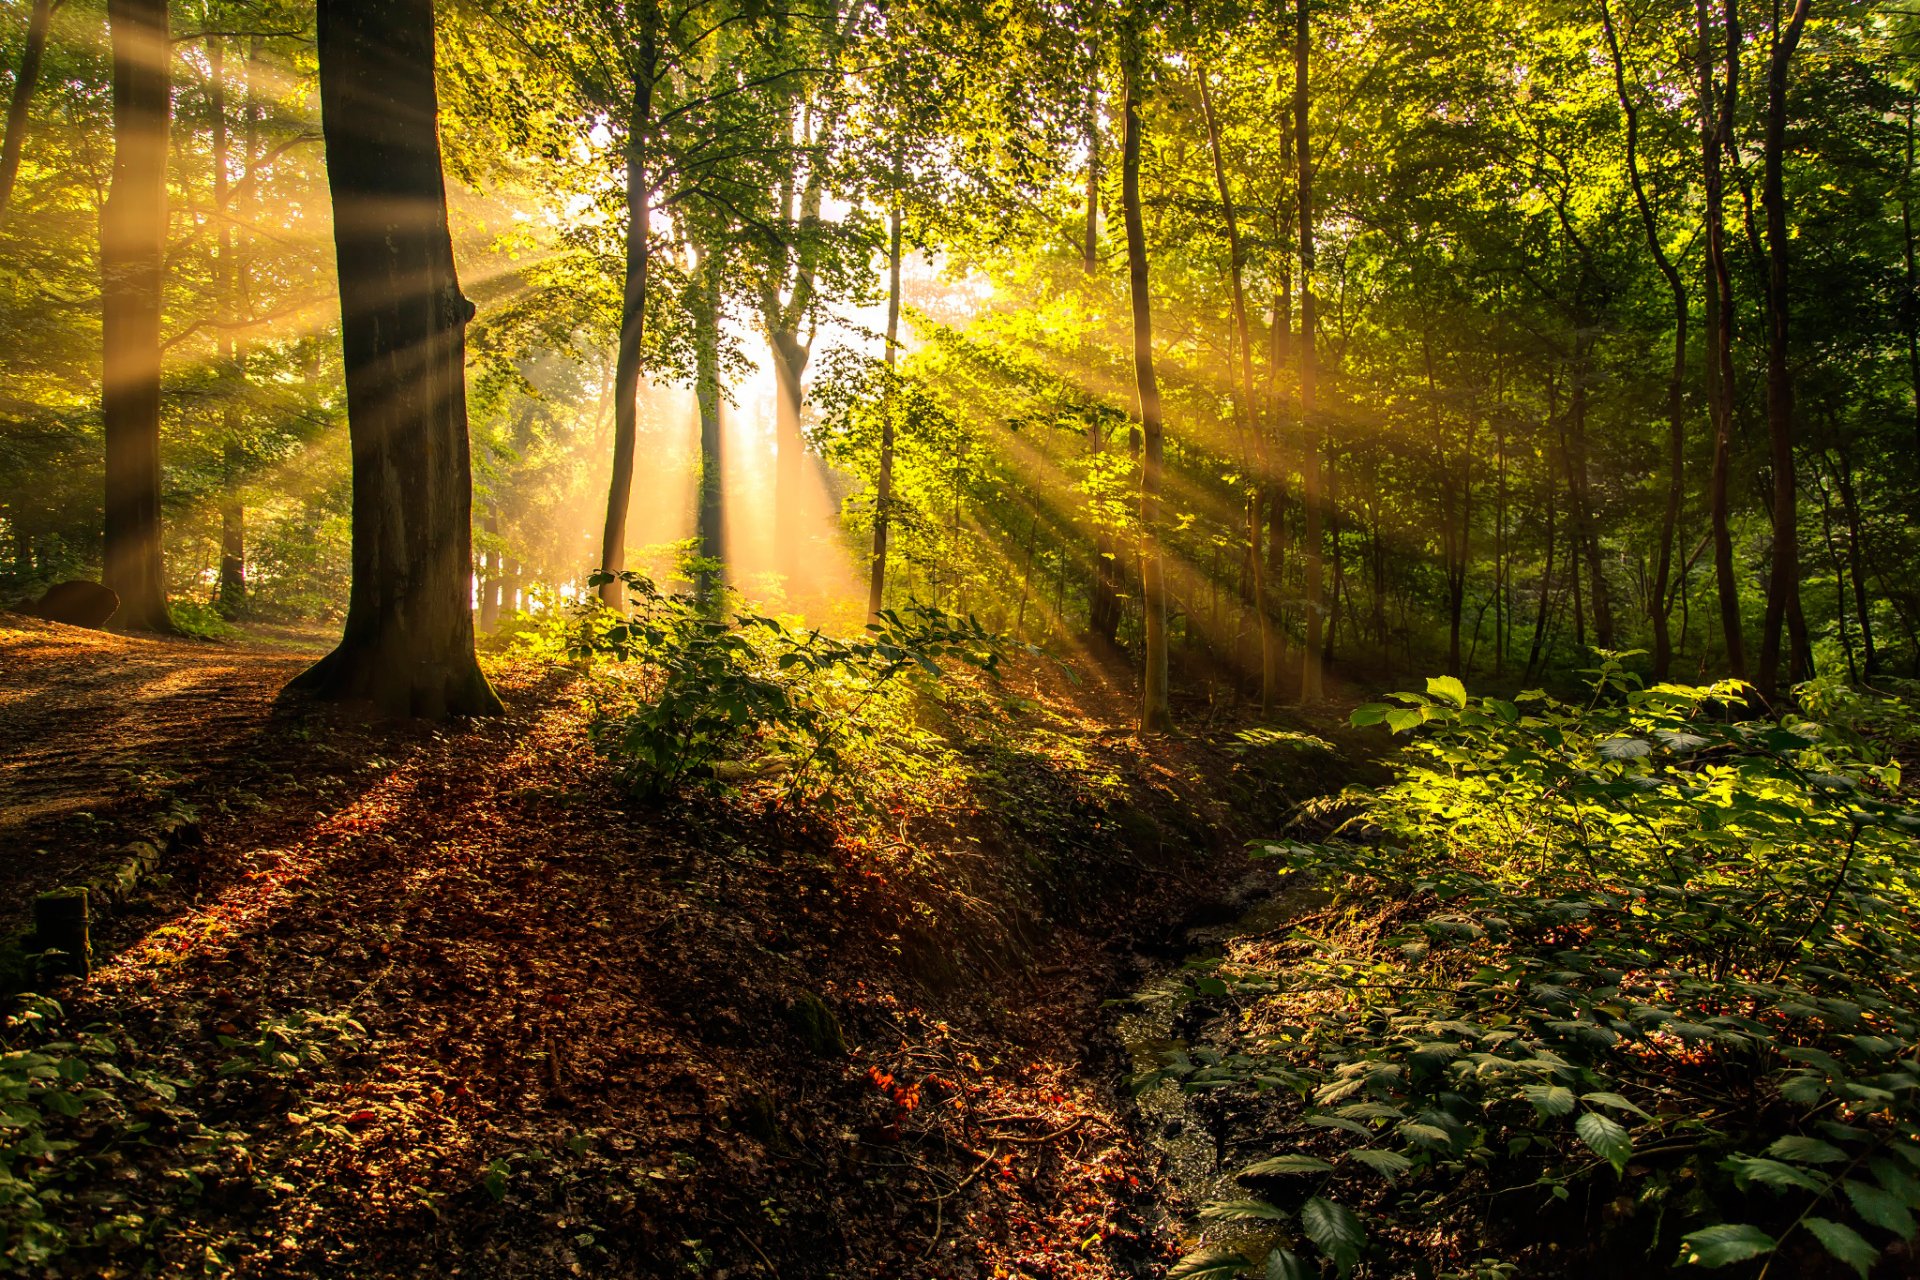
[[1660, 601], [408, 642], [1850, 504], [1103, 583], [1256, 427], [711, 518], [133, 229], [1090, 241], [1313, 464], [1716, 133], [24, 83], [883, 487], [1783, 578], [1910, 301], [1156, 713], [1586, 530], [633, 319]]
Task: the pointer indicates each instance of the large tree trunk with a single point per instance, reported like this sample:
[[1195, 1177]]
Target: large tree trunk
[[1716, 133], [883, 488], [1783, 578], [1661, 603], [633, 321], [1156, 712], [1313, 462], [408, 642], [24, 83], [133, 229]]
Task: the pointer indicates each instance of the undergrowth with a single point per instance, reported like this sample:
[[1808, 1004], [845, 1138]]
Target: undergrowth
[[1624, 982]]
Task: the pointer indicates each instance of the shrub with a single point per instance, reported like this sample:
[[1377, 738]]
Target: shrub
[[1637, 971], [703, 689]]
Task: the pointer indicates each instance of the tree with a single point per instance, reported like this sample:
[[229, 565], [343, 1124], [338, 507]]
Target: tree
[[408, 641], [133, 229], [1156, 713], [633, 304], [24, 82], [1314, 465], [1783, 579]]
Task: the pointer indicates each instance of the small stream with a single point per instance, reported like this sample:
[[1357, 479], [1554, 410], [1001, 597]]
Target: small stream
[[1197, 1160]]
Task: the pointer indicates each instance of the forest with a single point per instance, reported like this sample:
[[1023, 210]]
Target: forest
[[959, 638]]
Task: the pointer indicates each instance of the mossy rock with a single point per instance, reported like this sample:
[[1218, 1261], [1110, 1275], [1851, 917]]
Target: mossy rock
[[816, 1026]]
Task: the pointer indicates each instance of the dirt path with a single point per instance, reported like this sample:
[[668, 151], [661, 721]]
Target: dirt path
[[97, 729]]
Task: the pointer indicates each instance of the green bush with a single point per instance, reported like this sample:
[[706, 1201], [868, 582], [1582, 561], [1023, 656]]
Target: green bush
[[1638, 972], [703, 690]]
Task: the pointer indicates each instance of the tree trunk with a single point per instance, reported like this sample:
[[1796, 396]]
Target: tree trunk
[[711, 518], [1850, 503], [1090, 241], [1256, 427], [1586, 530], [24, 84], [1313, 463], [1660, 604], [1783, 578], [408, 642], [633, 323], [133, 229], [883, 486], [1716, 134], [1156, 712]]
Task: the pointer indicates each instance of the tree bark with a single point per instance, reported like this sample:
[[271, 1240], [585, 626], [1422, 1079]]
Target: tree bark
[[1090, 241], [1156, 713], [711, 525], [133, 267], [408, 641], [883, 486], [24, 83], [1783, 578], [1313, 463], [1661, 603], [1716, 134], [1262, 464], [633, 320]]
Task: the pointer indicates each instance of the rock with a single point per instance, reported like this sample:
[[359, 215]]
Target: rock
[[78, 604], [816, 1026]]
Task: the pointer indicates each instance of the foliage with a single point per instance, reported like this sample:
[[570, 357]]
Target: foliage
[[1637, 951], [707, 688]]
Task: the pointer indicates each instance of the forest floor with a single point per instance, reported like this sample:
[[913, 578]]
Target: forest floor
[[442, 1001]]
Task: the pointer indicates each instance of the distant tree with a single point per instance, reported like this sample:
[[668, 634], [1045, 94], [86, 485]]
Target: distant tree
[[24, 82], [408, 642], [133, 227]]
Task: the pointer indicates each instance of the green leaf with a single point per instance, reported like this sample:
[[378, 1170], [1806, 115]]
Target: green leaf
[[1209, 1264], [1282, 1264], [1242, 1211], [1551, 1099], [1728, 1242], [1611, 1100], [1369, 713], [1387, 1163], [1332, 1226], [1401, 721], [1449, 688], [1608, 1140], [1771, 1173], [1806, 1150], [1879, 1207], [1285, 1165], [1844, 1243]]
